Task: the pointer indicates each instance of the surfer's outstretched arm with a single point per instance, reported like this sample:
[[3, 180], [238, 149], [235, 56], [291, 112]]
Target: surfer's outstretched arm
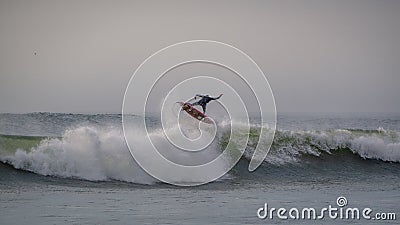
[[217, 97]]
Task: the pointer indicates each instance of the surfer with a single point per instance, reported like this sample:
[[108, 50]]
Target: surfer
[[204, 100]]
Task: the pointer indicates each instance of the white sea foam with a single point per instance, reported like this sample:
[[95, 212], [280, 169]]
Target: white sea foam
[[376, 148], [289, 146], [85, 152]]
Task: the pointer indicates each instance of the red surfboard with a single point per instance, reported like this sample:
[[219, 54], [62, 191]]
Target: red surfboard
[[192, 111]]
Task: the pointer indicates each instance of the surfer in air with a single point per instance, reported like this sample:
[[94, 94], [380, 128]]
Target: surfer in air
[[204, 100]]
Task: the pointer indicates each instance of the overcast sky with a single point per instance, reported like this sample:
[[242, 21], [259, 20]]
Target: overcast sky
[[319, 56]]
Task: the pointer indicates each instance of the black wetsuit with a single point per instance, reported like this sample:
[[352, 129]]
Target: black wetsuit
[[204, 100]]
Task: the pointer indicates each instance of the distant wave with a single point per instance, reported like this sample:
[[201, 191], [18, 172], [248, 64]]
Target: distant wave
[[100, 154]]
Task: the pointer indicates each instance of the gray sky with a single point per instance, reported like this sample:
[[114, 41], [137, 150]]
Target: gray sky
[[319, 56]]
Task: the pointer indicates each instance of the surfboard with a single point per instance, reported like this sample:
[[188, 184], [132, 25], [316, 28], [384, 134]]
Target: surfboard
[[192, 111]]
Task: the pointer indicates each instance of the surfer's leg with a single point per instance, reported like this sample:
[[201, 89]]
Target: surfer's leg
[[204, 107]]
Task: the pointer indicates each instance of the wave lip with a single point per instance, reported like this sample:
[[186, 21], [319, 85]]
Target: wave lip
[[376, 148], [290, 146]]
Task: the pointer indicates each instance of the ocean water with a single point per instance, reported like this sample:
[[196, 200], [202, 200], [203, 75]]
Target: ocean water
[[60, 168]]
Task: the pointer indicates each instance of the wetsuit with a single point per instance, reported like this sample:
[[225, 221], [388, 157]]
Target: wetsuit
[[204, 100]]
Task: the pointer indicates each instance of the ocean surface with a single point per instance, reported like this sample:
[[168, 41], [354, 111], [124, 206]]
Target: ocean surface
[[58, 168]]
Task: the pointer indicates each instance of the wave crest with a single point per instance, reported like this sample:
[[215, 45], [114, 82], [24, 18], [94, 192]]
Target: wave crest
[[291, 146], [86, 153]]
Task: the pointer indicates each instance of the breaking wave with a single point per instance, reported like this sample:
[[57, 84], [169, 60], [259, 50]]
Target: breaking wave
[[100, 154]]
